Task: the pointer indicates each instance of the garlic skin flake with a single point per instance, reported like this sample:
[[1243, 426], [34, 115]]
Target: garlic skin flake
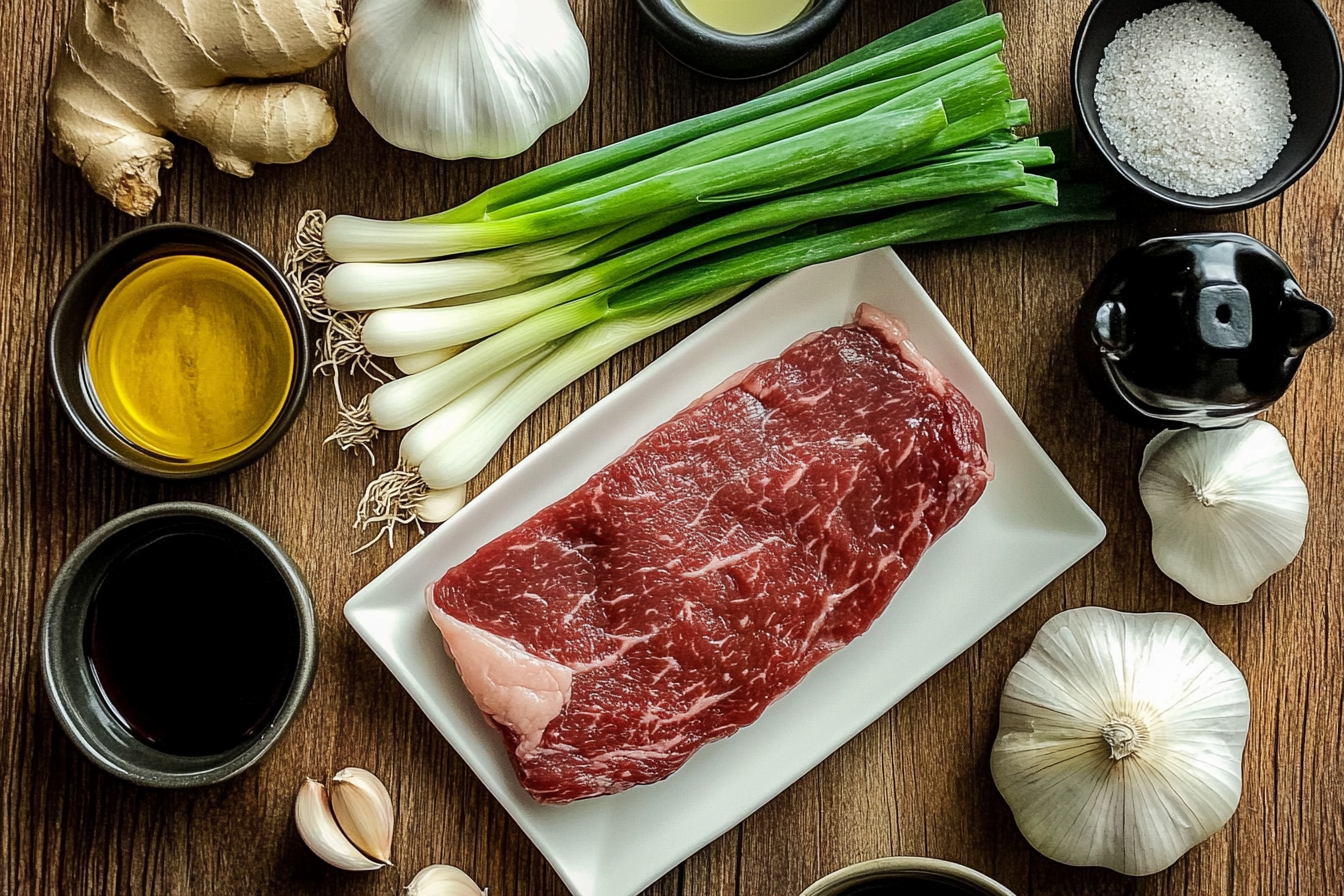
[[1228, 508], [442, 880], [1120, 739], [318, 828], [459, 78], [363, 809]]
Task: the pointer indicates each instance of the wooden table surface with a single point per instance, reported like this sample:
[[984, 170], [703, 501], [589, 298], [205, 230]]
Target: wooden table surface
[[914, 783]]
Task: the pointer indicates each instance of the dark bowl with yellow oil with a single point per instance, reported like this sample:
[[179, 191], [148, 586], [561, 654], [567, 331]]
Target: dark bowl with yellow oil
[[179, 351]]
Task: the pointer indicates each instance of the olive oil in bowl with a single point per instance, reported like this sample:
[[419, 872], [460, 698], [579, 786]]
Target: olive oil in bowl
[[179, 351], [190, 358]]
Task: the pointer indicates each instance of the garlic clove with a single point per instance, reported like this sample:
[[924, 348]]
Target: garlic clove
[[443, 880], [1228, 508], [318, 828], [363, 809], [1121, 738]]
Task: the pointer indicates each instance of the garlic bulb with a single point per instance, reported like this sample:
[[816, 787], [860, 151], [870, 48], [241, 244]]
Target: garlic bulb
[[318, 828], [363, 809], [442, 880], [1120, 739], [458, 78], [1229, 509]]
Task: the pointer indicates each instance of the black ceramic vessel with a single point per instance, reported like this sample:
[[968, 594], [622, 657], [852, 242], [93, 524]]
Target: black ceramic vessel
[[76, 697], [83, 294], [724, 55], [1204, 330], [1306, 45]]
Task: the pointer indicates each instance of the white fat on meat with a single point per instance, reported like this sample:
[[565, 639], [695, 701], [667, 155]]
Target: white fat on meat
[[515, 688]]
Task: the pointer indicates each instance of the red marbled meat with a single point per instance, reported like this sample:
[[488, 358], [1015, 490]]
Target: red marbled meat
[[665, 603]]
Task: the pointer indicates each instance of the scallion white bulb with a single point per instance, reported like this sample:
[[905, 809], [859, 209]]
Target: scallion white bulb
[[1120, 739], [459, 78], [1228, 507]]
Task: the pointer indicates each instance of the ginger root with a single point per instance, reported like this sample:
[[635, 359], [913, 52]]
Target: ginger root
[[133, 70]]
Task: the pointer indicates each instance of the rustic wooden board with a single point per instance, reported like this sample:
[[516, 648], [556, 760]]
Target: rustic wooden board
[[916, 782]]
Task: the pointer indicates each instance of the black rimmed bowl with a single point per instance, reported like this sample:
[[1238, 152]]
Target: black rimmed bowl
[[83, 295], [1304, 41], [71, 681], [738, 56]]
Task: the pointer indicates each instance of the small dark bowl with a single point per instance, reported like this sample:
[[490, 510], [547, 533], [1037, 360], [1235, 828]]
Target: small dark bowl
[[877, 877], [1305, 43], [738, 56], [75, 695], [83, 295]]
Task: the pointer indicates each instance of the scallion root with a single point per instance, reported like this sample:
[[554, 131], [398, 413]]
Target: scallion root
[[355, 428], [306, 265], [390, 500]]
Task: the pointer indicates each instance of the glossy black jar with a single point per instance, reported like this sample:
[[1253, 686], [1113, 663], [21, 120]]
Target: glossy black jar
[[1203, 330]]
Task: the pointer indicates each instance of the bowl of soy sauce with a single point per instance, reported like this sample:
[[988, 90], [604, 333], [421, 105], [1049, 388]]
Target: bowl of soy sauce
[[907, 876], [178, 642]]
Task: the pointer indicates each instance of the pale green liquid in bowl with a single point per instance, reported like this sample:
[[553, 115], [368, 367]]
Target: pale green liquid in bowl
[[746, 16]]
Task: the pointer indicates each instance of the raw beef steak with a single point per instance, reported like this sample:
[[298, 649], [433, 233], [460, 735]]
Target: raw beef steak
[[666, 602]]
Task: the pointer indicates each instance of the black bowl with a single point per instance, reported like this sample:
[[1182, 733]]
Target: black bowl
[[77, 697], [83, 295], [1305, 43], [724, 55]]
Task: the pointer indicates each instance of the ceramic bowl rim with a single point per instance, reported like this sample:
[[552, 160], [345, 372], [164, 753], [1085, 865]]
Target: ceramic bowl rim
[[83, 293], [68, 596], [789, 43], [1207, 205], [874, 869]]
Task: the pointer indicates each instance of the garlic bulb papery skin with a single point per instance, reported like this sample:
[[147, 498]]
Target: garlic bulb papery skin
[[459, 78], [443, 880], [1228, 507], [1120, 739]]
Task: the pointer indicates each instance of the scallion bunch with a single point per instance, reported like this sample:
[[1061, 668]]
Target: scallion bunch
[[494, 306]]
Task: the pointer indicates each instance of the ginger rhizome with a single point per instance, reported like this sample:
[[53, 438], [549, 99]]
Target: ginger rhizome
[[133, 70]]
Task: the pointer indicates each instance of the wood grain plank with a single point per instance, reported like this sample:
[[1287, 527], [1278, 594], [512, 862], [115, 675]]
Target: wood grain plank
[[914, 782]]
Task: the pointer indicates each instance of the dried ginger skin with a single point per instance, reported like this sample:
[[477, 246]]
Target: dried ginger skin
[[133, 70]]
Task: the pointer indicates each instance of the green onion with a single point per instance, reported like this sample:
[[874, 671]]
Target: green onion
[[399, 331], [363, 286], [789, 163]]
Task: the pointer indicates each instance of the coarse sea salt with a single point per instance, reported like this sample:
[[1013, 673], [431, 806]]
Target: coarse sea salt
[[1194, 99]]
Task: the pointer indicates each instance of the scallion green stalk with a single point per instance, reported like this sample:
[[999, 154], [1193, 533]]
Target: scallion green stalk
[[398, 331], [959, 83], [793, 162]]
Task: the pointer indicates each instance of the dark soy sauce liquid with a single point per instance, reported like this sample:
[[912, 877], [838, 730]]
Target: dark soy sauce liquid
[[909, 885], [193, 639]]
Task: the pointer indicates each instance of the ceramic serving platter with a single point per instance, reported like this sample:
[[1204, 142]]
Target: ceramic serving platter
[[1028, 528]]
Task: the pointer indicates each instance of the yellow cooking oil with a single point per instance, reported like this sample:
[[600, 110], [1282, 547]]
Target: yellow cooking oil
[[746, 16], [190, 358]]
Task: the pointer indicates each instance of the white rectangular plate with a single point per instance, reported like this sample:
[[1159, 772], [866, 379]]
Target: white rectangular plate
[[1028, 528]]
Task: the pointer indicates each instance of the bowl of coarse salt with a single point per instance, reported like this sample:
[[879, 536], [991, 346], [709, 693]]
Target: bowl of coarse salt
[[1208, 106]]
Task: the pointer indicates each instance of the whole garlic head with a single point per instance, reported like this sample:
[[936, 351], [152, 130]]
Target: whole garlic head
[[459, 78], [1120, 739], [1228, 507]]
